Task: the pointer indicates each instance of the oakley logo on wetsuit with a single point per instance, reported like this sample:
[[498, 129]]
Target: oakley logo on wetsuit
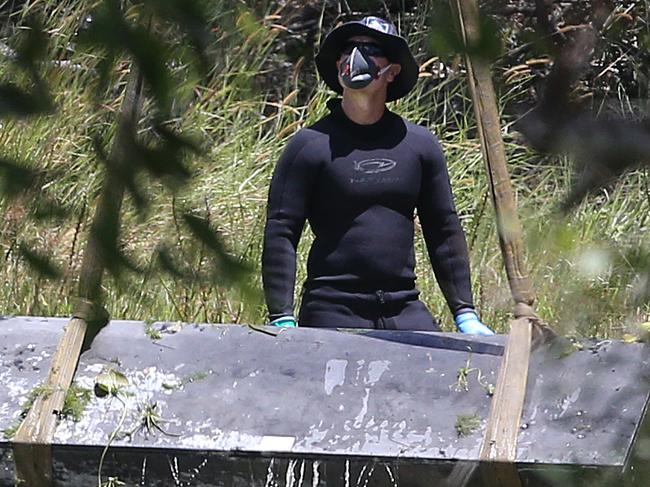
[[374, 166]]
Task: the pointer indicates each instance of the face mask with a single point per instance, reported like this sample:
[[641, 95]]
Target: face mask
[[358, 70]]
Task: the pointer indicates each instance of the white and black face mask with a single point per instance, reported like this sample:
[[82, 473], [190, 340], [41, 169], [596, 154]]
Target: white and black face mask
[[358, 70]]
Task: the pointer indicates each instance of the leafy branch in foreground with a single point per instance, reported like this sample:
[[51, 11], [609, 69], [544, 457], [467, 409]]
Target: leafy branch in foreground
[[151, 147], [20, 179], [161, 151]]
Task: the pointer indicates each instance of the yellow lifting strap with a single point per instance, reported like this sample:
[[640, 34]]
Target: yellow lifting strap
[[499, 449]]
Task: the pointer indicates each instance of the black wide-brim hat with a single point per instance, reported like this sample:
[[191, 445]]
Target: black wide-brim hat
[[395, 47]]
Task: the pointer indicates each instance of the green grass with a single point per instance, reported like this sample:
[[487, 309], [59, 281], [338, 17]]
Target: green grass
[[76, 400], [466, 424], [579, 266], [151, 331]]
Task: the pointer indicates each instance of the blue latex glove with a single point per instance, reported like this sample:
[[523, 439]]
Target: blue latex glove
[[468, 322], [285, 321]]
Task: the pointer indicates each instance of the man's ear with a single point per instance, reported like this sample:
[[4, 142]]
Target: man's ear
[[393, 71]]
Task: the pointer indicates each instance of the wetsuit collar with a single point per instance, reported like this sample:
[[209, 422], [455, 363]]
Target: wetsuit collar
[[377, 129]]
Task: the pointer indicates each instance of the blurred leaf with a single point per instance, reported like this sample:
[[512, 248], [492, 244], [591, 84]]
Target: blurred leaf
[[16, 102], [16, 178], [164, 160], [31, 48], [110, 381], [489, 45], [603, 151], [126, 173], [230, 268], [634, 263], [193, 21], [176, 141], [247, 22], [114, 258], [112, 32], [644, 40], [105, 68], [149, 53], [117, 261], [445, 37], [167, 263], [539, 45], [227, 271], [39, 262], [564, 237], [107, 29], [33, 42], [637, 258], [48, 209]]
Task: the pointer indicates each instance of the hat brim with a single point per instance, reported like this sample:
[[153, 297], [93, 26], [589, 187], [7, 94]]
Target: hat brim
[[397, 51]]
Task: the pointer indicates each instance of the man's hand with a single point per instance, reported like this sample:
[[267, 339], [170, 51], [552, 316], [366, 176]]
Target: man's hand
[[285, 321], [468, 322]]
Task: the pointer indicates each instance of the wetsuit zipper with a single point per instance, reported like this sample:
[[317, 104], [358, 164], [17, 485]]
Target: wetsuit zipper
[[382, 302]]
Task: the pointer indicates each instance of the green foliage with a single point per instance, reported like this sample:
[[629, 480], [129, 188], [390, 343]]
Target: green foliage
[[31, 48], [466, 424], [76, 400], [445, 38], [463, 375], [112, 32], [16, 178], [151, 331], [149, 422], [110, 382], [39, 262], [146, 35], [194, 377], [229, 268]]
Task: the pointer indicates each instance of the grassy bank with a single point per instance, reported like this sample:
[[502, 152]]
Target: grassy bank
[[580, 264]]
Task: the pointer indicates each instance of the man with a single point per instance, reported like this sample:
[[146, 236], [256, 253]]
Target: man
[[358, 176]]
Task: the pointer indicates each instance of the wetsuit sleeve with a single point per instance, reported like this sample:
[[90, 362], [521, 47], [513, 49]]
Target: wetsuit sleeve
[[442, 230], [288, 200]]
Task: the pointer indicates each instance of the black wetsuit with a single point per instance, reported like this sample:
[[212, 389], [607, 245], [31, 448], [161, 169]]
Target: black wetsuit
[[359, 187]]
